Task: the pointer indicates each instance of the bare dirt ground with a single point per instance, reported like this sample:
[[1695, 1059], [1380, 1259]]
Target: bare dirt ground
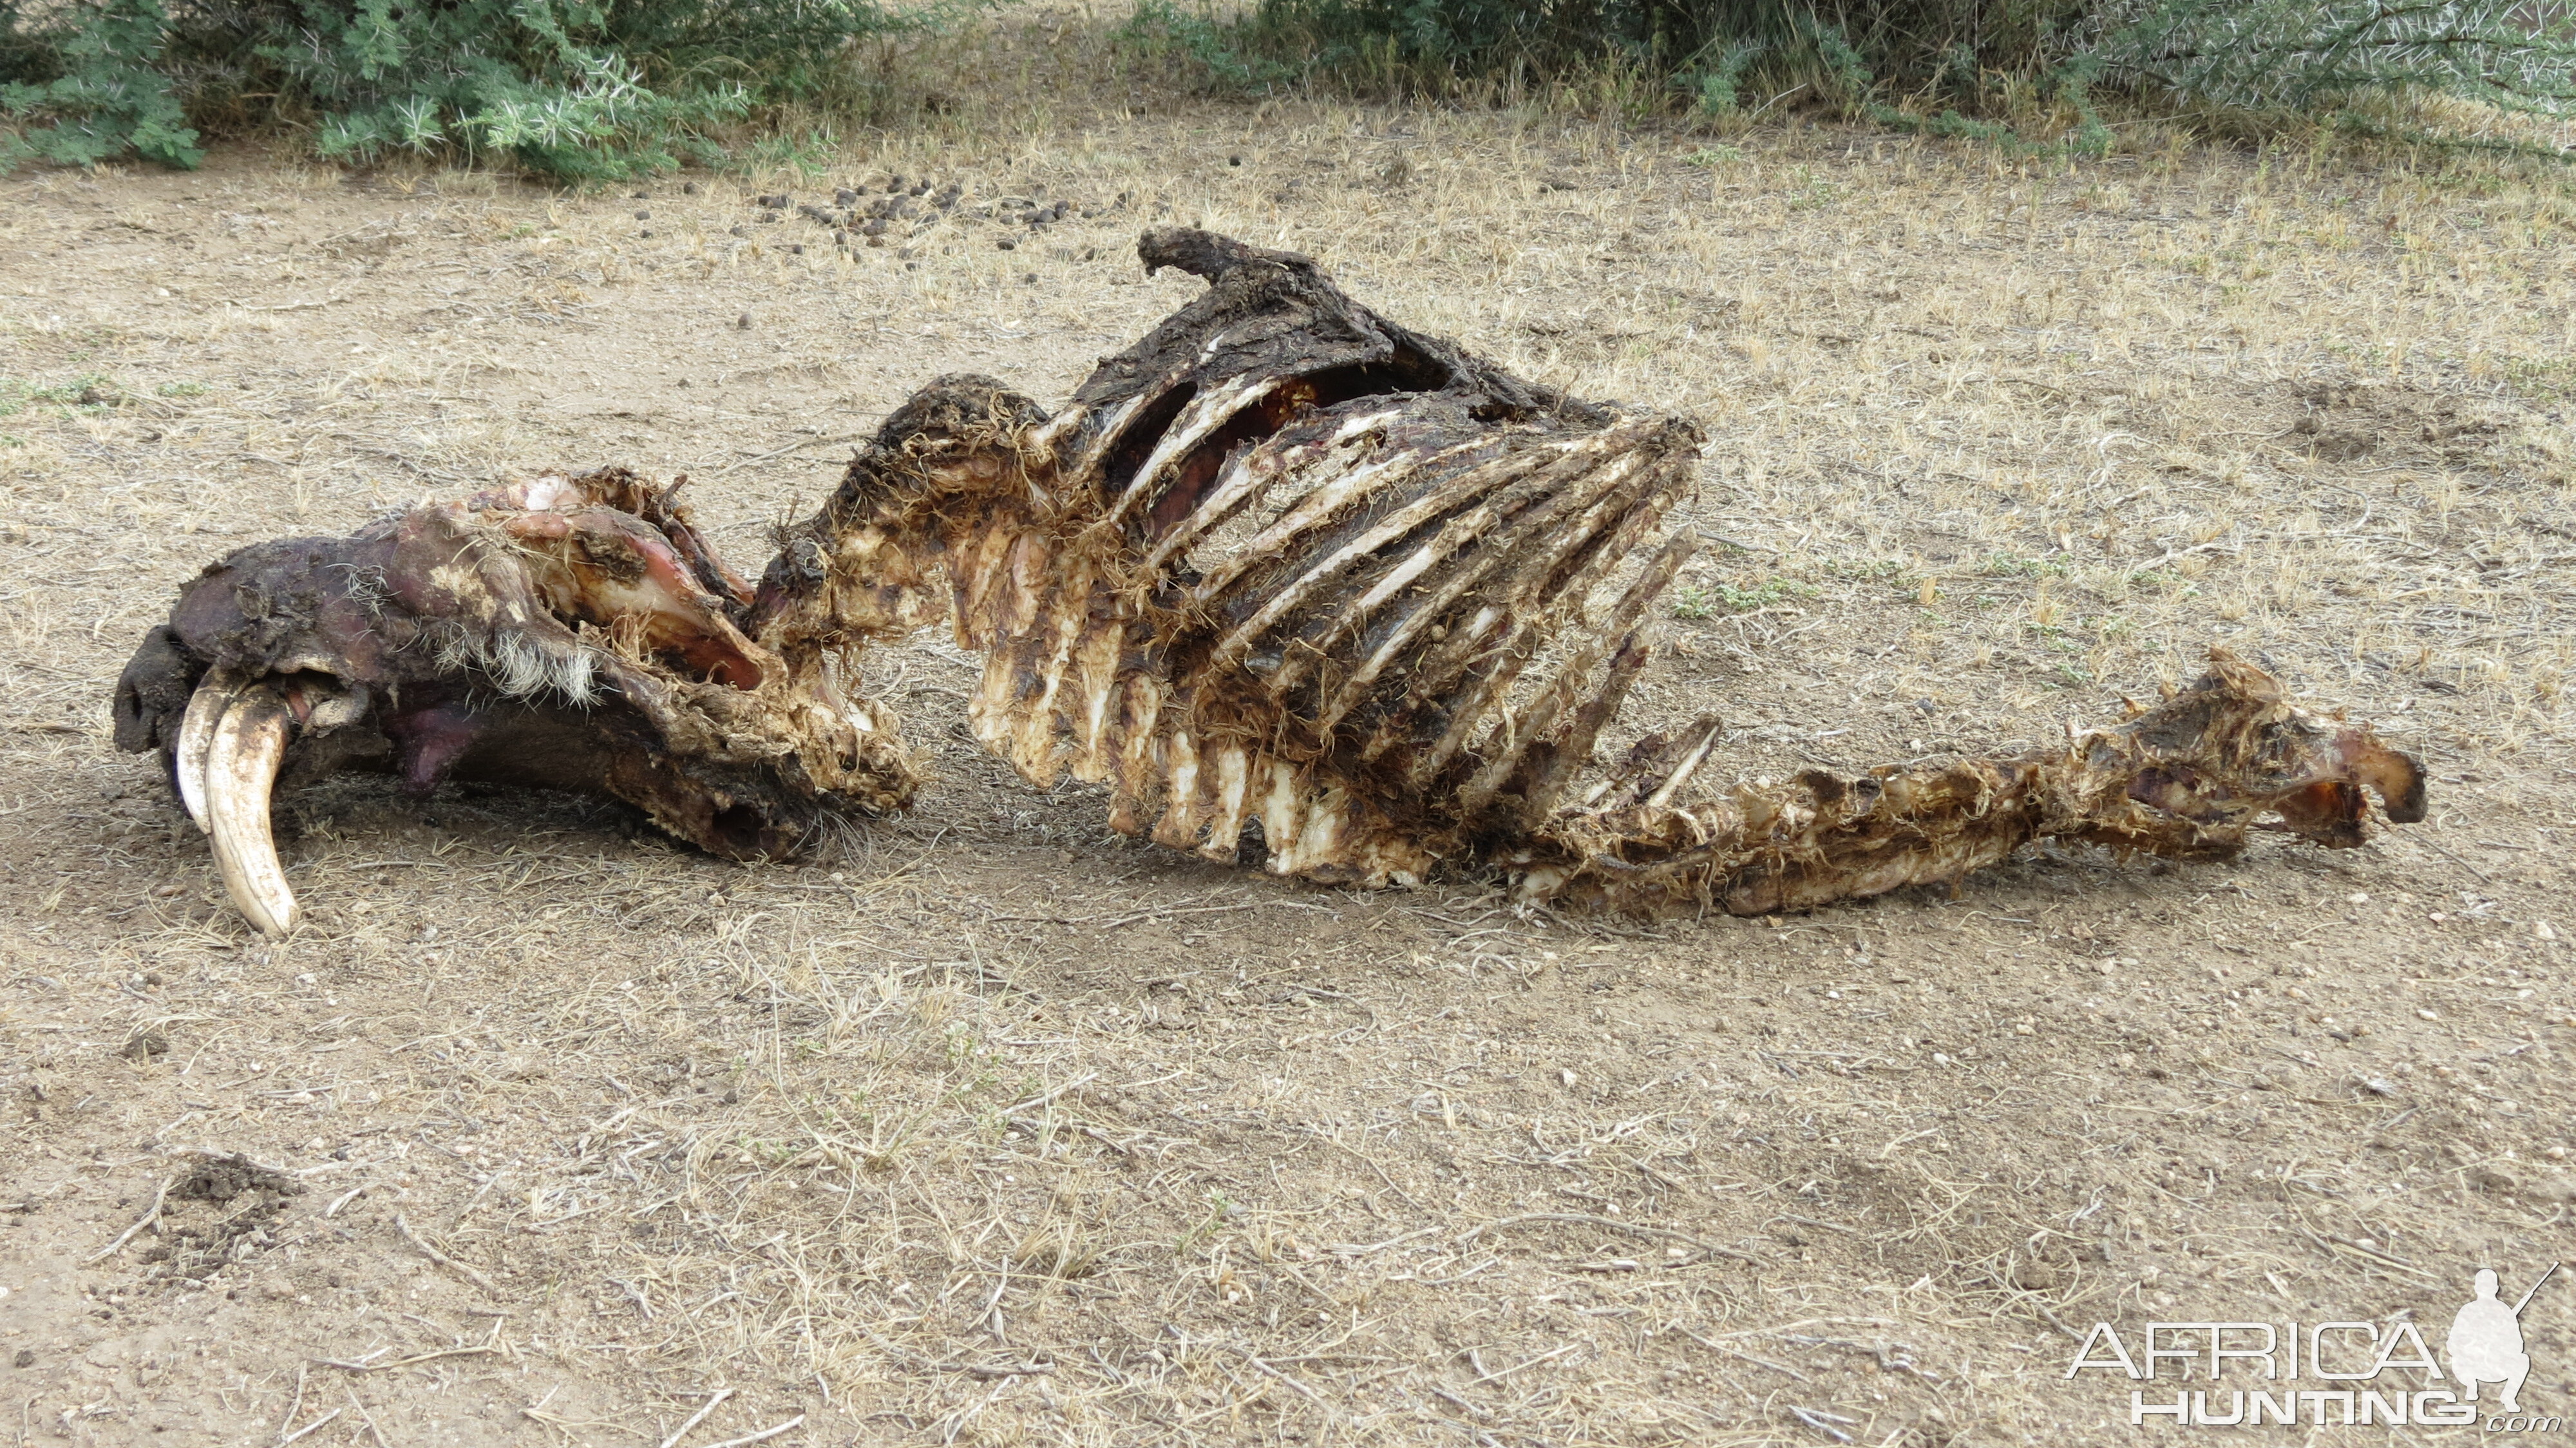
[[996, 1128]]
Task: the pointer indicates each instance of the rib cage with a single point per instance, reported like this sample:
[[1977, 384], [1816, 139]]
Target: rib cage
[[1367, 677]]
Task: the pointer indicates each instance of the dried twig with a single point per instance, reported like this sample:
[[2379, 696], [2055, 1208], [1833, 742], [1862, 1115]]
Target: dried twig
[[1759, 1362], [1364, 1249], [714, 1401], [763, 1433], [1813, 1222], [294, 1405], [2350, 1248], [369, 1419], [403, 1225], [535, 1412], [1034, 1102], [1163, 910], [1636, 1229], [782, 451], [1301, 1389], [988, 1372], [2445, 852], [1822, 1422], [309, 1427], [1462, 1405], [1499, 1373], [2036, 1305], [150, 1215], [348, 1366]]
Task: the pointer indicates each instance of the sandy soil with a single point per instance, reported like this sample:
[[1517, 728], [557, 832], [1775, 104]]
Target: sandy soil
[[997, 1128]]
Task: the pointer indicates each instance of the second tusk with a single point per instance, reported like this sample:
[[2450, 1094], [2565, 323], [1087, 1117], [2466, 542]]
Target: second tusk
[[196, 735]]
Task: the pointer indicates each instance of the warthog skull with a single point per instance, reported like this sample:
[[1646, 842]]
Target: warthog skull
[[567, 633]]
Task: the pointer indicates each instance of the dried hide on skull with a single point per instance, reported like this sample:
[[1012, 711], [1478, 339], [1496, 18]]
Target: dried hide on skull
[[1309, 590], [1300, 587], [567, 633]]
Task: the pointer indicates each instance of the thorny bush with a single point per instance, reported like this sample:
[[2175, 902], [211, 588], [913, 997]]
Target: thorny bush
[[579, 89]]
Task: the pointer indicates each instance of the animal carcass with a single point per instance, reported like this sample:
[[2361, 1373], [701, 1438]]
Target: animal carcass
[[1298, 586]]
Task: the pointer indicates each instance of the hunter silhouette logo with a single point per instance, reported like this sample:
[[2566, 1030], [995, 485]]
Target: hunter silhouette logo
[[2485, 1345], [2360, 1369]]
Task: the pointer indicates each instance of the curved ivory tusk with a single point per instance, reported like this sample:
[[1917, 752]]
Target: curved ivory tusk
[[196, 734], [241, 768]]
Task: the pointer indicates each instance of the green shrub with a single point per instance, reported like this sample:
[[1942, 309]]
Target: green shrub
[[1709, 47], [1208, 51], [1941, 65], [569, 88], [92, 86], [2294, 55]]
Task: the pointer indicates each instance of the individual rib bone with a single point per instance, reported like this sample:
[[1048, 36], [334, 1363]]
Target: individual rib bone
[[242, 758]]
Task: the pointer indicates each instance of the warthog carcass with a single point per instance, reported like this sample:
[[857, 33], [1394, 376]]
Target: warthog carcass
[[1300, 587]]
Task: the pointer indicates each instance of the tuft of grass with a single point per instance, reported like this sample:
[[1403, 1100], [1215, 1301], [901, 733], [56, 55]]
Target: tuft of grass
[[2015, 565], [1698, 601], [88, 394], [2551, 377], [806, 152]]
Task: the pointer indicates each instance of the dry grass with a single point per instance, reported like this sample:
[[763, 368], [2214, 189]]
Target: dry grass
[[994, 1128]]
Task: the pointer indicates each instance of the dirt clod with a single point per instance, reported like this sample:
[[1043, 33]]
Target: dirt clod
[[222, 1178]]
